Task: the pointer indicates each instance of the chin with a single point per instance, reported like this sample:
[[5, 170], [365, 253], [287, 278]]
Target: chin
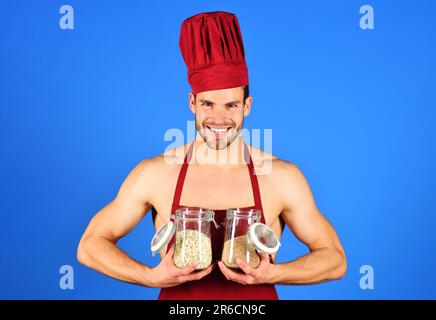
[[217, 144]]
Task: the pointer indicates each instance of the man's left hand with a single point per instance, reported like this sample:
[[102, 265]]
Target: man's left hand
[[262, 274]]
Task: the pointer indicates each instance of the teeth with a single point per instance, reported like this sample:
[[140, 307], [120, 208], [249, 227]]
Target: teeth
[[216, 130]]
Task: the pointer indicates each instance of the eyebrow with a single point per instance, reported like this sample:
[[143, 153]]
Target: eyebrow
[[227, 103], [233, 102], [206, 101]]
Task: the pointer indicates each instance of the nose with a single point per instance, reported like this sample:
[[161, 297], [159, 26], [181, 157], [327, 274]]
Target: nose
[[220, 113]]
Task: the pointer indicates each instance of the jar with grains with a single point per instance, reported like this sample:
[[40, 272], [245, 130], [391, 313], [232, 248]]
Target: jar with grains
[[192, 244], [245, 236], [236, 245]]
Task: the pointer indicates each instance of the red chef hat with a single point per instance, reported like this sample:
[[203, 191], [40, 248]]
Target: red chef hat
[[212, 47]]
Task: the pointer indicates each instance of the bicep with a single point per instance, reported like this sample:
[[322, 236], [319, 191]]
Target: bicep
[[302, 216], [123, 213]]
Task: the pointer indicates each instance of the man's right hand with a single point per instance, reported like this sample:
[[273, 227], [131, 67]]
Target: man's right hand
[[166, 274]]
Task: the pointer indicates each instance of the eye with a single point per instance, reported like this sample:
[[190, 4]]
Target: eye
[[207, 104]]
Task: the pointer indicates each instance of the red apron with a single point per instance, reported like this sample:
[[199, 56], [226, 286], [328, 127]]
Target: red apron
[[215, 286]]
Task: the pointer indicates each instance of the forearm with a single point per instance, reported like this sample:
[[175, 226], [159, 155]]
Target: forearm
[[104, 256], [318, 266]]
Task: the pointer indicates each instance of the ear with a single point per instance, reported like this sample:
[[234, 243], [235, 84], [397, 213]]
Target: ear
[[192, 102], [247, 106]]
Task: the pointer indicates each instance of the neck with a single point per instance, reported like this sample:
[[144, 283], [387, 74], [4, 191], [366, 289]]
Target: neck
[[232, 155]]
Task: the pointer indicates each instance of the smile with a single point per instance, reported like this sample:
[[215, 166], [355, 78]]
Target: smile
[[219, 130]]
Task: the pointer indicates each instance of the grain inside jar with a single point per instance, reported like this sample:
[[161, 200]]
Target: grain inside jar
[[239, 249], [192, 246]]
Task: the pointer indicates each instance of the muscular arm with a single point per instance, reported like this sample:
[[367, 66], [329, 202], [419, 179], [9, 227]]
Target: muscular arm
[[97, 248], [326, 260]]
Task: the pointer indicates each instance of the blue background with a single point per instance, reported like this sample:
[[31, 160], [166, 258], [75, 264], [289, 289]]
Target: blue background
[[354, 109]]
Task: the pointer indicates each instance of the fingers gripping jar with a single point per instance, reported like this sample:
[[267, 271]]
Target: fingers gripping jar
[[244, 236], [191, 227]]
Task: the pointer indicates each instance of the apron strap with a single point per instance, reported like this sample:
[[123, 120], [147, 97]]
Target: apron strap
[[254, 183], [181, 181]]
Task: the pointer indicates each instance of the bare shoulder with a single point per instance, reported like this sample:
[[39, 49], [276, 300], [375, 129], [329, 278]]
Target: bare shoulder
[[288, 175], [282, 175], [152, 173], [292, 186], [163, 164], [267, 164]]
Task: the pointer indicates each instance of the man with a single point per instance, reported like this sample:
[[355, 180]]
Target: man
[[212, 47]]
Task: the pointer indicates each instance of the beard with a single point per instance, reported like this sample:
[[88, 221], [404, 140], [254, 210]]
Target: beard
[[218, 141]]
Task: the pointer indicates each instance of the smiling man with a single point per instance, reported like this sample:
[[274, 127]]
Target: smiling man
[[218, 132], [194, 175]]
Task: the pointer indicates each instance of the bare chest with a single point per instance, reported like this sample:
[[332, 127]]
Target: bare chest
[[217, 189], [212, 188]]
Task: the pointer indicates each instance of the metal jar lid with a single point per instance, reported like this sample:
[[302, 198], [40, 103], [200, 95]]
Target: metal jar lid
[[263, 238], [162, 237]]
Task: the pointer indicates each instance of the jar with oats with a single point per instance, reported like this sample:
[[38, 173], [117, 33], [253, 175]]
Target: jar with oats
[[245, 236], [192, 230]]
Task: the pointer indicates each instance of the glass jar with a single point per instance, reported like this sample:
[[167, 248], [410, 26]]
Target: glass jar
[[192, 243], [245, 236], [236, 244]]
